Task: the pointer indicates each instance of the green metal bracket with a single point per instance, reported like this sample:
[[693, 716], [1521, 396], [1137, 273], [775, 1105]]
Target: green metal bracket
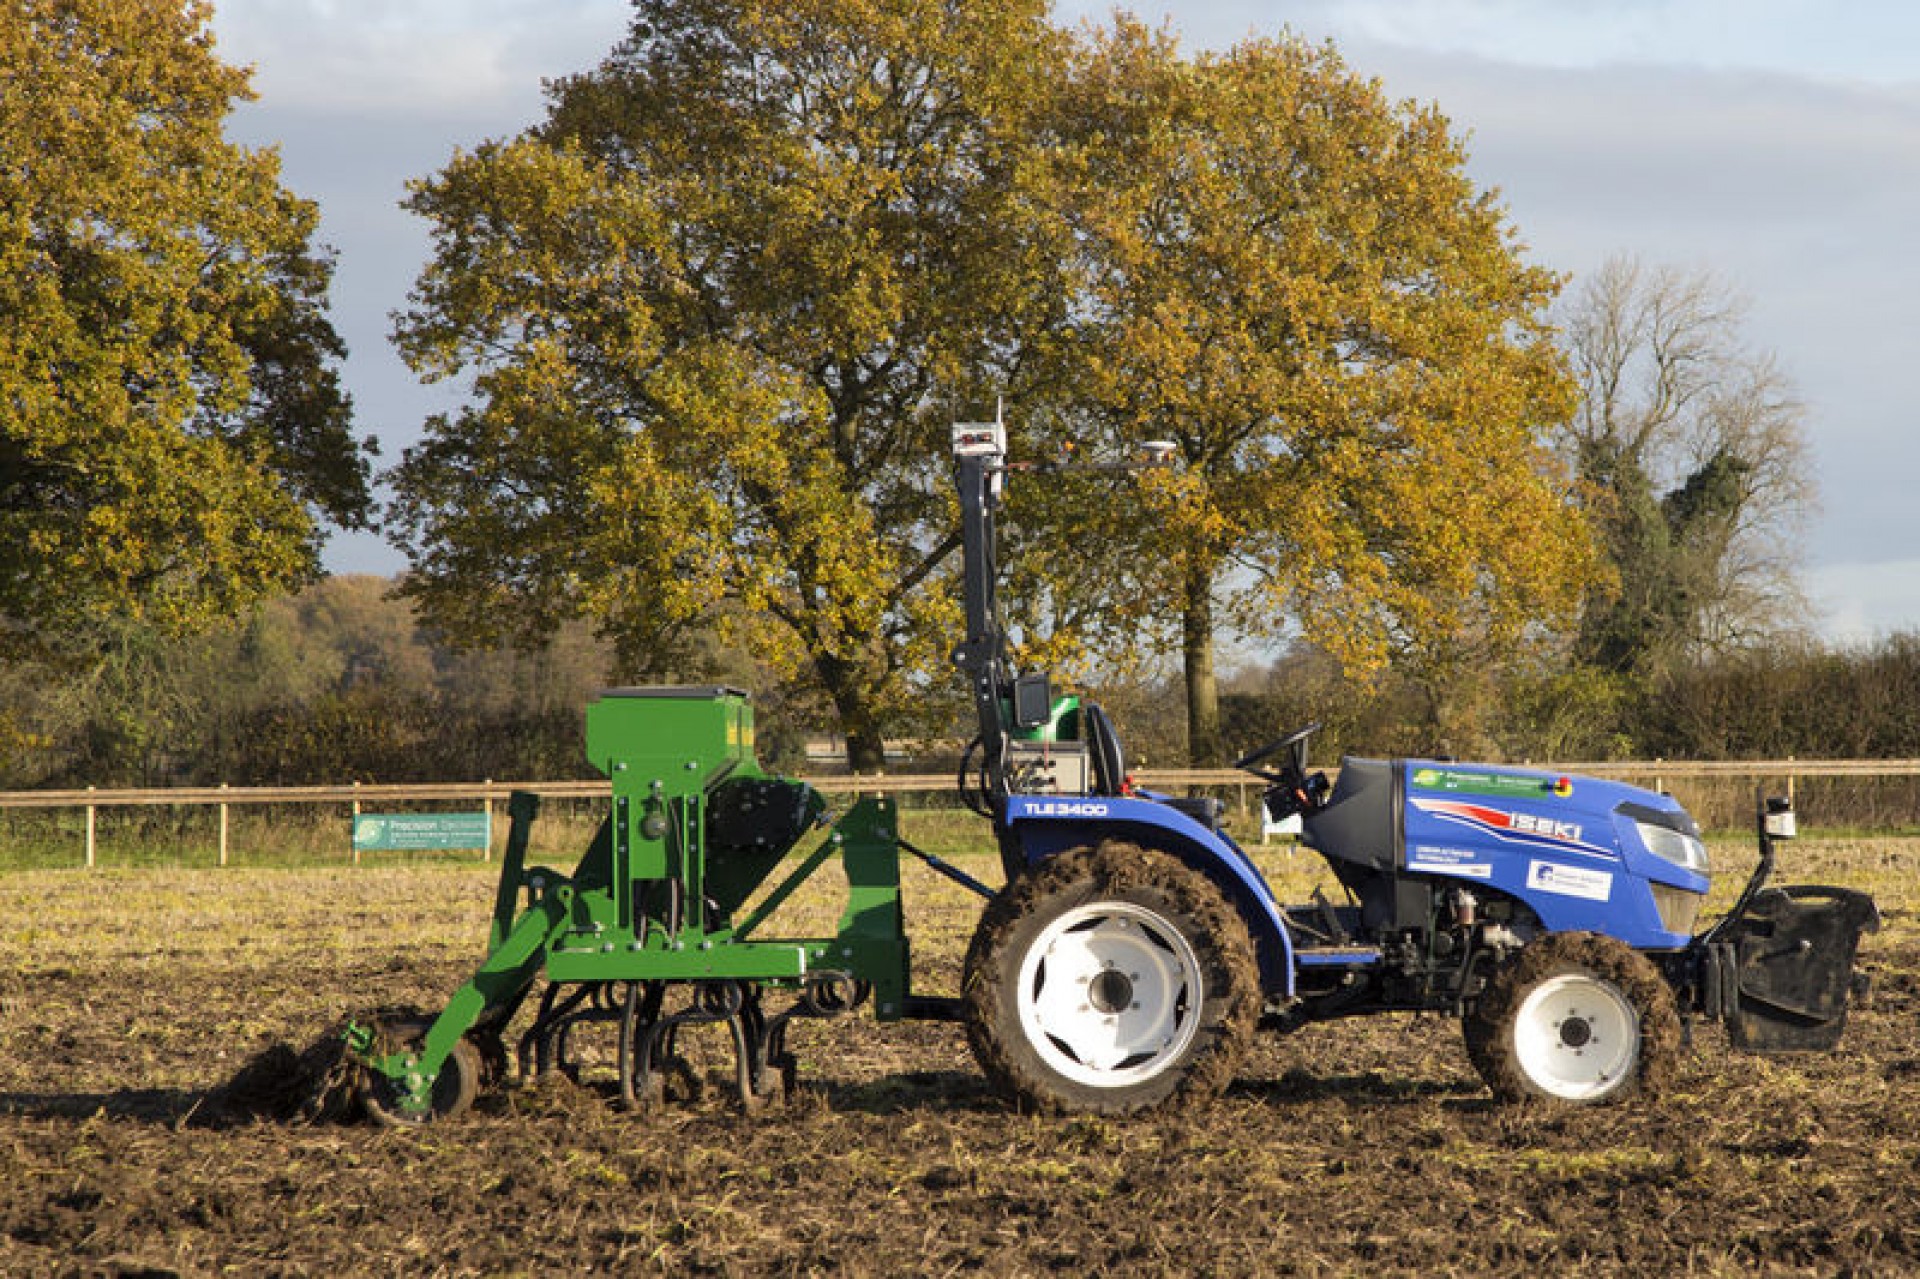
[[522, 808], [873, 928], [778, 897], [501, 982]]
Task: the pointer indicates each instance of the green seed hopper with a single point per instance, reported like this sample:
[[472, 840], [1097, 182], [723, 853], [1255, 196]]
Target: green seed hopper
[[652, 930]]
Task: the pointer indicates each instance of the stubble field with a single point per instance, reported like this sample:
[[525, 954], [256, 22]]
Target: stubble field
[[128, 997]]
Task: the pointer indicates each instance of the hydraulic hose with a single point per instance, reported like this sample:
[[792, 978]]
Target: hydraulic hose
[[977, 796]]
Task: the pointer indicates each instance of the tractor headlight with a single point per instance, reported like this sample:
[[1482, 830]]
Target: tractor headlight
[[1675, 846]]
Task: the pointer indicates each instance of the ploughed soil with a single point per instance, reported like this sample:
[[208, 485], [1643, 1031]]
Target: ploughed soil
[[145, 1018]]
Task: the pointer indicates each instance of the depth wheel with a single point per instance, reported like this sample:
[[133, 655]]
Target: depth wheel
[[453, 1091], [1575, 1019], [1110, 980]]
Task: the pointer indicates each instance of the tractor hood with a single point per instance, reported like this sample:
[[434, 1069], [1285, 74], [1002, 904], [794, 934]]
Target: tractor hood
[[1582, 851], [1558, 814]]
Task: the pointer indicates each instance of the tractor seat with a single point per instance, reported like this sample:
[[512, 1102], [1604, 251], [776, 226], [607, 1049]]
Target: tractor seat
[[1204, 809]]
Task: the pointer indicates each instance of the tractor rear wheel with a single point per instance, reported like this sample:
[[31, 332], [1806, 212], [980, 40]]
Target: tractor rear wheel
[[453, 1091], [1110, 980], [1576, 1019]]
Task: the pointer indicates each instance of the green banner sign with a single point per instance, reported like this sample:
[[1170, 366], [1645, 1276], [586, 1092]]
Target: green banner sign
[[420, 832]]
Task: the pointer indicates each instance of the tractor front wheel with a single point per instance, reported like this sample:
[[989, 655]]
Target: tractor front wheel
[[1575, 1018], [1110, 980]]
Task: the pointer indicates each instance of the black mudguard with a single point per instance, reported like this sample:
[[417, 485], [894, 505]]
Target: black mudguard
[[1781, 975]]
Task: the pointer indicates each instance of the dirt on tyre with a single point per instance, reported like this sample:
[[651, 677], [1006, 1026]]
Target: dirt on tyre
[[1575, 1019], [1110, 980]]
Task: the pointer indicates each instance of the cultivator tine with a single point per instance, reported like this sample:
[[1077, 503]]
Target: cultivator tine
[[634, 1067], [769, 1071], [546, 1044], [763, 1069], [647, 1042]]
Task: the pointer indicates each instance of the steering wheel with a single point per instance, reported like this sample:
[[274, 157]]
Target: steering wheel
[[1296, 768]]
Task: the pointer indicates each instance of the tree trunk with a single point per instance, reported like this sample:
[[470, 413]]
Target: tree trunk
[[847, 684], [866, 752], [1203, 691]]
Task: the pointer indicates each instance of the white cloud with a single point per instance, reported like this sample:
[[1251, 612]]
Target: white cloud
[[442, 56], [1802, 196], [1865, 602], [1865, 40]]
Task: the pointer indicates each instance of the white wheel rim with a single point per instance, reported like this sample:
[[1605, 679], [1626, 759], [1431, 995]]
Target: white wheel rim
[[1109, 994], [1577, 1037]]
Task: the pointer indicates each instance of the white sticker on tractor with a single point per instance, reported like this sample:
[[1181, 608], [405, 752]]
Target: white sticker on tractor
[[1454, 861], [1570, 881]]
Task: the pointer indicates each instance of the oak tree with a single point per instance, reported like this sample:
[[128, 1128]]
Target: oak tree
[[718, 309], [717, 312], [1294, 280], [172, 432]]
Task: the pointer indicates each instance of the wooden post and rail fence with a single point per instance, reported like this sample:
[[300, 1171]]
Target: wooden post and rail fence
[[1782, 776]]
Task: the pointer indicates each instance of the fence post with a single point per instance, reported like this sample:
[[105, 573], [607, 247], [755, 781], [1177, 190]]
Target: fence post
[[90, 831], [223, 827], [486, 803], [354, 844]]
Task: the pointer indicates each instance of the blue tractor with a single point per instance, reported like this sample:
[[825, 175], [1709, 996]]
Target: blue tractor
[[1136, 947]]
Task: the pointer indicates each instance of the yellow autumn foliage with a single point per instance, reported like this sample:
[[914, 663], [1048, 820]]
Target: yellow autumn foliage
[[171, 429], [720, 307]]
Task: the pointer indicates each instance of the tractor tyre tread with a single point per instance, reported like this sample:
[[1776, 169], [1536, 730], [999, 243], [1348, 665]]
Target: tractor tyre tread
[[1488, 1029], [1230, 1005]]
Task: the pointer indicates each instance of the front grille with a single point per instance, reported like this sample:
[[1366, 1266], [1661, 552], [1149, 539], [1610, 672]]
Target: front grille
[[1678, 908]]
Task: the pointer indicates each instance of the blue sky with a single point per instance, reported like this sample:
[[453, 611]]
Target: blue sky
[[1775, 143]]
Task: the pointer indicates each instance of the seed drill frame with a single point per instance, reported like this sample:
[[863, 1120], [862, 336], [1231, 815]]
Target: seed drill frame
[[653, 913]]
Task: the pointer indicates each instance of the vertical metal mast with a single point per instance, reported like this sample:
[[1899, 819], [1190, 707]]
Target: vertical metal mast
[[980, 451]]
